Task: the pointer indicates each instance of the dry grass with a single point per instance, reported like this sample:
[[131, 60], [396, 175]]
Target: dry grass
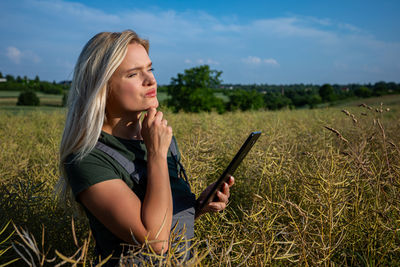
[[320, 188]]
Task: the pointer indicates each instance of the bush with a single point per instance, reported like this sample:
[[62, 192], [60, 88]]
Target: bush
[[64, 99], [28, 98]]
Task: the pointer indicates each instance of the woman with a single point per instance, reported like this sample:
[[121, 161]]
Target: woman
[[113, 85]]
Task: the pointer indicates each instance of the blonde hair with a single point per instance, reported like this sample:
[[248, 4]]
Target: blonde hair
[[97, 62]]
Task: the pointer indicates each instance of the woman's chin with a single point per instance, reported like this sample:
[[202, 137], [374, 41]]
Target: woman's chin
[[155, 104], [148, 105]]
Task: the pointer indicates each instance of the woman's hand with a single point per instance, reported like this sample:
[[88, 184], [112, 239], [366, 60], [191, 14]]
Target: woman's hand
[[222, 196], [156, 134]]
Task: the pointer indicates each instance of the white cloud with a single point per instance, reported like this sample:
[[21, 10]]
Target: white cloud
[[227, 28], [252, 60], [350, 27], [29, 55], [212, 62], [293, 27], [271, 61], [74, 10], [193, 37], [14, 54], [202, 61]]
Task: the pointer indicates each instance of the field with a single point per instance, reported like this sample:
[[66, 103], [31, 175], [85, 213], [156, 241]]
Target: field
[[320, 187], [10, 98]]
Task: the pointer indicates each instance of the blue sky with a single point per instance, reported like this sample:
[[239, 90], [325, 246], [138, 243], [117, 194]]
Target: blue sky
[[274, 42]]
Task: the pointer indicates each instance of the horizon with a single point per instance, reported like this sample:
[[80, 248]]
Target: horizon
[[231, 84], [251, 43]]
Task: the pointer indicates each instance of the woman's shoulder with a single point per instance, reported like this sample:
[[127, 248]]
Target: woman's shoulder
[[88, 170]]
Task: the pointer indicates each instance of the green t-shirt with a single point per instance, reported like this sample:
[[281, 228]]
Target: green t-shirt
[[97, 167]]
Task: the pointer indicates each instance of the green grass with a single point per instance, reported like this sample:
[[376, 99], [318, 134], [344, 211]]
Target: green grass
[[389, 100], [15, 94], [10, 98], [305, 195], [7, 94], [355, 101]]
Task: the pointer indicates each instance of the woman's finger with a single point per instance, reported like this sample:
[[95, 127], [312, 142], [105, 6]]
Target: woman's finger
[[231, 181], [151, 112], [158, 117], [225, 189], [217, 206], [149, 116], [223, 197]]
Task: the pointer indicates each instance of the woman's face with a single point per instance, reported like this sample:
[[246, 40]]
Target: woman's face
[[133, 87]]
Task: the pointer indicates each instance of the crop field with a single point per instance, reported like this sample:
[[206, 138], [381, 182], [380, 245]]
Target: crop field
[[319, 188]]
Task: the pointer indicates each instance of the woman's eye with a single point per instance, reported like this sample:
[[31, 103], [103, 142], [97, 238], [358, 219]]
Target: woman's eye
[[151, 69], [131, 75]]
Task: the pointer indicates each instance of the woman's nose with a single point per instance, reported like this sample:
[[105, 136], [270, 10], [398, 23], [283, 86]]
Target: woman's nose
[[149, 79]]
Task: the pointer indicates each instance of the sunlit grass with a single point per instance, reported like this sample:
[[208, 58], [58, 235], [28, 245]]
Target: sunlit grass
[[319, 188]]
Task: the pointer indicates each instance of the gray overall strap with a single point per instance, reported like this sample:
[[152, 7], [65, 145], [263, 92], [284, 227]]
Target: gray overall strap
[[129, 166], [174, 152]]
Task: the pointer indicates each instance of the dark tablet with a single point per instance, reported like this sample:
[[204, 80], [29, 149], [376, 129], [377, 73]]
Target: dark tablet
[[248, 144]]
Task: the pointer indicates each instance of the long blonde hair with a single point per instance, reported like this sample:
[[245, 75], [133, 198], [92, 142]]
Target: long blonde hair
[[97, 62]]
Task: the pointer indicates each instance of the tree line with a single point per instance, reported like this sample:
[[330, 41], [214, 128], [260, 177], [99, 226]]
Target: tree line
[[194, 91], [21, 84], [200, 89]]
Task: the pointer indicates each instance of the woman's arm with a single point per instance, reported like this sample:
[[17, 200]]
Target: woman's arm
[[121, 211], [157, 205], [118, 208]]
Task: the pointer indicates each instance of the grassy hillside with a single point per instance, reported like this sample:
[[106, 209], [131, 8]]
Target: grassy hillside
[[319, 188]]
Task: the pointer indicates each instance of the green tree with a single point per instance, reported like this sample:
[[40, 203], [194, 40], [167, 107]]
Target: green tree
[[380, 88], [245, 100], [28, 98], [363, 91], [50, 88], [326, 92], [1, 75], [193, 91], [274, 101], [37, 79], [10, 78], [314, 100], [392, 87]]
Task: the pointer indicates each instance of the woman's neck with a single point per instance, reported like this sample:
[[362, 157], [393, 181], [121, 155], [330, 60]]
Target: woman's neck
[[127, 127]]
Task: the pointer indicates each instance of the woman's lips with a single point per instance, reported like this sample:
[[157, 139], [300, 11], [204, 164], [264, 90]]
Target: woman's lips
[[151, 93]]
